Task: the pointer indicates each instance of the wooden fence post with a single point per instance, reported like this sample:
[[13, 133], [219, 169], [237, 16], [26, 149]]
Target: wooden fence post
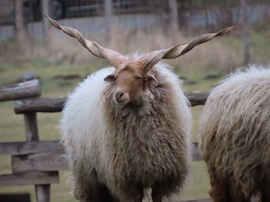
[[30, 119], [31, 130], [43, 193]]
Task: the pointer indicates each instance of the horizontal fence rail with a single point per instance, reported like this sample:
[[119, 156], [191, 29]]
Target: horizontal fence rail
[[15, 197], [47, 155], [16, 148], [29, 178], [20, 90], [42, 161], [48, 104], [197, 97], [38, 162], [39, 104]]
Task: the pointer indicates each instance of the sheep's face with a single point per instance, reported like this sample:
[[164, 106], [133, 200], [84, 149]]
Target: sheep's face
[[130, 83]]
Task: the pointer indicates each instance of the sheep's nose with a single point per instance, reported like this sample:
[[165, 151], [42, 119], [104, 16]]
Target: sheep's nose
[[118, 95], [121, 97]]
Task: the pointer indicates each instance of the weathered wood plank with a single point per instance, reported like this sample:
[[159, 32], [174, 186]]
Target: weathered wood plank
[[31, 126], [197, 97], [29, 147], [49, 104], [43, 192], [48, 156], [15, 197], [29, 178], [20, 90], [30, 119], [196, 156], [40, 104], [54, 146], [44, 161]]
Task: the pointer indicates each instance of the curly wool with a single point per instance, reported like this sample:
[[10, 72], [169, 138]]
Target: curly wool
[[234, 133], [126, 146]]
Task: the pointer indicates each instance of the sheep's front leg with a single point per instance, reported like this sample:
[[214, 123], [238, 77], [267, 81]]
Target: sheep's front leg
[[156, 194], [139, 196], [265, 194], [136, 195]]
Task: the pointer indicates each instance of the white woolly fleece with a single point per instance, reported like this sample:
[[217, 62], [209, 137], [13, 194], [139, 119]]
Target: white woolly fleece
[[234, 131], [124, 148]]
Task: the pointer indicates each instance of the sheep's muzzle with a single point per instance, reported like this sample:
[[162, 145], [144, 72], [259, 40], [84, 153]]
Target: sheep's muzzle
[[121, 97]]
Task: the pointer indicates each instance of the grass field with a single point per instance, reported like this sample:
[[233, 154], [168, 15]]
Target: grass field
[[218, 57]]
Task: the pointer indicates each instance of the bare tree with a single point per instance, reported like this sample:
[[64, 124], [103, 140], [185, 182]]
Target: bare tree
[[45, 24], [108, 17], [20, 28], [173, 15]]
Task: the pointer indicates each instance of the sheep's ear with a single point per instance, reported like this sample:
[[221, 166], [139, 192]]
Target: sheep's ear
[[110, 78]]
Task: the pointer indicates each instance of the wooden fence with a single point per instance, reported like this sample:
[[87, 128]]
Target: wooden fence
[[37, 162]]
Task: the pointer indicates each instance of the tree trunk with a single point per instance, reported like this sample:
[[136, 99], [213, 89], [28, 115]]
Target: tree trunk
[[245, 32], [20, 28], [108, 17], [173, 15], [45, 22]]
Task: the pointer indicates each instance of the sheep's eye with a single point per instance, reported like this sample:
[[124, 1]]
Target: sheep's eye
[[138, 78]]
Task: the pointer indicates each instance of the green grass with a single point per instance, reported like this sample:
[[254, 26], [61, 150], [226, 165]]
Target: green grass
[[220, 57]]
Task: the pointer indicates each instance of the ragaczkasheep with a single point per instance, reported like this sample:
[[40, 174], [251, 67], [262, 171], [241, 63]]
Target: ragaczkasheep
[[234, 136], [126, 128]]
